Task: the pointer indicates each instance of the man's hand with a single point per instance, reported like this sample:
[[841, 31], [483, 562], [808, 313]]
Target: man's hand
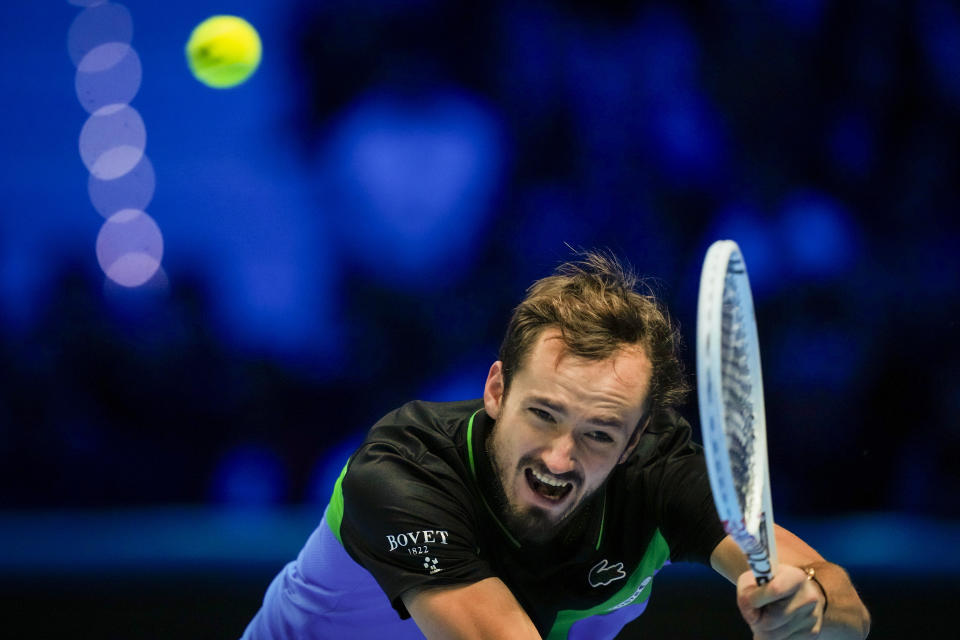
[[789, 606]]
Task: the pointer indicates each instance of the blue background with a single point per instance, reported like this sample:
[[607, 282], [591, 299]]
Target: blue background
[[350, 228]]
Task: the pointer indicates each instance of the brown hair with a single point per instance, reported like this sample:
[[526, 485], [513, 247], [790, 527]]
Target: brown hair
[[594, 303]]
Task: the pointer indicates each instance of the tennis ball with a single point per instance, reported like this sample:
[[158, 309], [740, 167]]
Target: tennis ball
[[223, 51]]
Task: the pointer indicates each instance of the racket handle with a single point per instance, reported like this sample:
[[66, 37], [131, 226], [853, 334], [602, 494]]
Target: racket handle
[[762, 566]]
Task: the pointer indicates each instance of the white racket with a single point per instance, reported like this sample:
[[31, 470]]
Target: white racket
[[730, 392]]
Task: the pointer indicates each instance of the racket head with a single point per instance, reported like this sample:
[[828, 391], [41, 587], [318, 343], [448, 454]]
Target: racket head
[[732, 415]]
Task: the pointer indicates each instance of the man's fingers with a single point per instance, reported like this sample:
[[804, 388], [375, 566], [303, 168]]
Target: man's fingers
[[781, 587], [777, 617], [753, 597], [746, 589], [792, 632], [787, 582], [786, 607]]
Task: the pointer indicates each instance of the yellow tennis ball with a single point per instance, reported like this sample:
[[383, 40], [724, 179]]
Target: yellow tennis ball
[[223, 51]]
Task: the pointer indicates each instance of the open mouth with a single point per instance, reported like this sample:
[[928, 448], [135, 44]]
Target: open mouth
[[548, 486]]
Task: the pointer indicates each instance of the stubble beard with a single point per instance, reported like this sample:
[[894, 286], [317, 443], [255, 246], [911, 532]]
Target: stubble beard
[[528, 523]]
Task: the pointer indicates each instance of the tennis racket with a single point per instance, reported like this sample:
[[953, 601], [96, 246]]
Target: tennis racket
[[730, 394]]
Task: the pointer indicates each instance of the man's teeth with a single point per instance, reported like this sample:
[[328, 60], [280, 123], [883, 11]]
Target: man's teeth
[[553, 482]]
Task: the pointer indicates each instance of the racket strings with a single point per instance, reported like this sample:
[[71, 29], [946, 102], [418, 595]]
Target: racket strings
[[737, 392]]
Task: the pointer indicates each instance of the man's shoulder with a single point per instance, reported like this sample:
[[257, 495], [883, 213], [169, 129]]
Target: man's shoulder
[[411, 467], [420, 423], [667, 435], [419, 441]]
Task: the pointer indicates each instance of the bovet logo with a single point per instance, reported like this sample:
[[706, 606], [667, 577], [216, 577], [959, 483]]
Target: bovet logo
[[424, 536]]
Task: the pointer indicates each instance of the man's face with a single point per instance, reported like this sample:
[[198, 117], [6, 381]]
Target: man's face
[[562, 428]]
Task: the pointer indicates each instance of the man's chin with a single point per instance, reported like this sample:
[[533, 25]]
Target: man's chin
[[535, 524], [536, 532]]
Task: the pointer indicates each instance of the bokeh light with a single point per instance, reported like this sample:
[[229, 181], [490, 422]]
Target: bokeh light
[[687, 138], [99, 24], [132, 190], [413, 182], [819, 236], [130, 247], [680, 125], [108, 74], [112, 141]]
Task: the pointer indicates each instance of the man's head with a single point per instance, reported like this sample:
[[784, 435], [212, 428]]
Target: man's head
[[585, 364]]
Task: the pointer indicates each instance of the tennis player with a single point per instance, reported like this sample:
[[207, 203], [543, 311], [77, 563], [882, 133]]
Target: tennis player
[[546, 508]]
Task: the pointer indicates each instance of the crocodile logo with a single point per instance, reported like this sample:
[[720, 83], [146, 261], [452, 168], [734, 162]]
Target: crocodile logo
[[602, 574]]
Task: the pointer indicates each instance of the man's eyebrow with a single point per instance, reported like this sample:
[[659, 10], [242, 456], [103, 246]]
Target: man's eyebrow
[[601, 421], [615, 423], [549, 404]]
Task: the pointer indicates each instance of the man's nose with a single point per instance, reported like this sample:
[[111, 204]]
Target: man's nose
[[559, 454]]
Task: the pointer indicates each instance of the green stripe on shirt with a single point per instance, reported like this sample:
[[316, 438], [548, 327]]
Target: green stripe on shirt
[[636, 590], [335, 508]]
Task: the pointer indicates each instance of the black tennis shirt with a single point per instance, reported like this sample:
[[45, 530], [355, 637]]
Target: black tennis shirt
[[415, 507]]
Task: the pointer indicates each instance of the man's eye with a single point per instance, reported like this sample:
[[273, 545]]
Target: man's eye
[[599, 436], [543, 415]]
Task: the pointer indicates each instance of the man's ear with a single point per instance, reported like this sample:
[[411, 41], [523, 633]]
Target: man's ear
[[493, 390], [635, 438]]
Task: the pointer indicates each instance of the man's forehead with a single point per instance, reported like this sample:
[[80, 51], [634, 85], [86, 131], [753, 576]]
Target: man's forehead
[[550, 347], [629, 363]]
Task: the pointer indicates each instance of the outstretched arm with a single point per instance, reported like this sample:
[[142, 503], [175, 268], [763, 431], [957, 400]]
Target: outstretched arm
[[794, 604], [483, 610]]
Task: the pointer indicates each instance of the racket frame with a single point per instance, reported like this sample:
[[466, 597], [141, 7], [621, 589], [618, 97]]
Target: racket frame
[[755, 538]]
